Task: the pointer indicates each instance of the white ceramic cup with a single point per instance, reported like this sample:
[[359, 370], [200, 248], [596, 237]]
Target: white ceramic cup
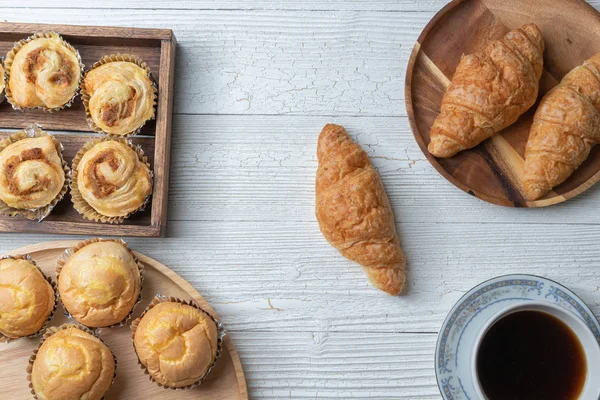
[[591, 348]]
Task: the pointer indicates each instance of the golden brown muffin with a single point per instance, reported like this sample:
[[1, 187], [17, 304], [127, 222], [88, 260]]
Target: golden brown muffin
[[32, 173], [72, 365], [26, 298], [100, 283], [43, 71], [119, 95], [176, 343], [112, 178]]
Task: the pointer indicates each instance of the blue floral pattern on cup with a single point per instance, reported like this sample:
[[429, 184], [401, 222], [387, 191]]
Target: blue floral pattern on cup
[[467, 317]]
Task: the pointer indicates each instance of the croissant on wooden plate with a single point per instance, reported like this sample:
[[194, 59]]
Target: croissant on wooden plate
[[353, 210], [489, 91], [565, 127]]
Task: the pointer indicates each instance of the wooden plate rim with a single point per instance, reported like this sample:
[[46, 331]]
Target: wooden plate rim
[[167, 273], [433, 161]]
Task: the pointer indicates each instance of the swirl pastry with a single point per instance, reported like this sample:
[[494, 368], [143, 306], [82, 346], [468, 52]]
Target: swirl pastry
[[177, 343], [42, 71], [32, 172], [1, 80], [71, 364], [119, 95], [100, 283], [113, 178], [26, 298]]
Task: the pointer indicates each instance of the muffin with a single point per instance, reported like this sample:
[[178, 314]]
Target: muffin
[[71, 364], [99, 282], [33, 175], [27, 299], [42, 71], [177, 343], [111, 180], [119, 95]]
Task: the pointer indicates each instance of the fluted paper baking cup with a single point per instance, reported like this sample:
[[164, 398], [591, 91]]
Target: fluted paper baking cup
[[82, 206], [36, 214], [221, 332], [8, 61], [68, 253], [27, 257], [85, 96], [51, 331]]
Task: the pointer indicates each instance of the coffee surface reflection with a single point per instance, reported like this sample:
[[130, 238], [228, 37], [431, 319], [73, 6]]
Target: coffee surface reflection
[[531, 355]]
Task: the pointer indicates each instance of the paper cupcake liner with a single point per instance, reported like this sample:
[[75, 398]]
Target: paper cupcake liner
[[64, 257], [27, 257], [85, 97], [82, 206], [221, 332], [8, 65], [37, 214], [51, 331], [2, 96]]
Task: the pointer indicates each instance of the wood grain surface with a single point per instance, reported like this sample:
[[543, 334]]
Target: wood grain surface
[[492, 171], [157, 48], [226, 380], [241, 224]]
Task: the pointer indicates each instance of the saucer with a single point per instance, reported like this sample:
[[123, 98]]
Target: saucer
[[468, 317]]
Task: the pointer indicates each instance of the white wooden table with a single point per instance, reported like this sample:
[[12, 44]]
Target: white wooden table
[[256, 80]]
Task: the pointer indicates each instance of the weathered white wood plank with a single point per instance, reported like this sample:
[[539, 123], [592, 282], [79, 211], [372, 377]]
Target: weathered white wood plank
[[261, 168], [337, 5], [310, 365], [283, 276], [310, 5], [274, 62]]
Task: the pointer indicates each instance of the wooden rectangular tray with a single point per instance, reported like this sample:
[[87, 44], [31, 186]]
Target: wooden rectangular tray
[[157, 48]]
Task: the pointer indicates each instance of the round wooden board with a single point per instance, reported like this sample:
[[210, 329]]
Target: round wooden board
[[492, 171], [226, 380]]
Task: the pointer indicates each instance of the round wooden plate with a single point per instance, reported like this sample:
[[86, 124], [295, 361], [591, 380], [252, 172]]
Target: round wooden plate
[[492, 171], [226, 380]]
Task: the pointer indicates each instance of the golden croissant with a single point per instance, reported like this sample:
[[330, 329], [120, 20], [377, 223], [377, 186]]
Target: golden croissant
[[353, 210], [489, 91], [565, 127]]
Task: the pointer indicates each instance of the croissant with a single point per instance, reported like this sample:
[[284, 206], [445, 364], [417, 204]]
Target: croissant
[[565, 127], [489, 91], [353, 210]]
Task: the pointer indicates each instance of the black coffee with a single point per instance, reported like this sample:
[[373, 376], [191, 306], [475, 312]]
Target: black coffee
[[531, 355]]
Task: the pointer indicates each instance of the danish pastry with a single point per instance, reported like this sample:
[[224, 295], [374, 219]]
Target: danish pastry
[[42, 71], [119, 95]]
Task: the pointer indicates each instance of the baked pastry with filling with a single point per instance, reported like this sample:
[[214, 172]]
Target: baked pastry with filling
[[176, 343], [71, 364], [33, 175], [1, 79], [100, 283], [111, 180], [42, 71], [119, 95], [26, 298]]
